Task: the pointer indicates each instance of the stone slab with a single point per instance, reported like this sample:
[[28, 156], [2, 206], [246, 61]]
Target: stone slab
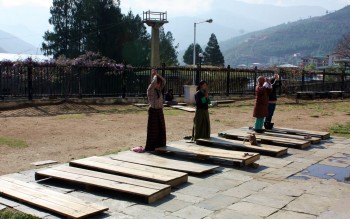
[[253, 209], [269, 199], [230, 214], [192, 212], [290, 215], [309, 204], [217, 202]]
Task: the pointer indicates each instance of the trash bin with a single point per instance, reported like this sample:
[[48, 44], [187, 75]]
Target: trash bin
[[189, 92]]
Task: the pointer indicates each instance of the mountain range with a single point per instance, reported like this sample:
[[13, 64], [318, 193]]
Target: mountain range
[[12, 44], [317, 36]]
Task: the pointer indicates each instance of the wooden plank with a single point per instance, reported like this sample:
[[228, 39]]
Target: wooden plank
[[45, 162], [241, 135], [193, 149], [141, 105], [184, 108], [244, 146], [39, 196], [164, 163], [322, 135], [148, 190], [313, 140], [137, 171]]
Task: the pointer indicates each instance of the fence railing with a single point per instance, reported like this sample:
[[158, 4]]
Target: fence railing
[[54, 81]]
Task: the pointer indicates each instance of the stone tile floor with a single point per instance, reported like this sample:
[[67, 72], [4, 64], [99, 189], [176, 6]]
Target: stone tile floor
[[278, 188]]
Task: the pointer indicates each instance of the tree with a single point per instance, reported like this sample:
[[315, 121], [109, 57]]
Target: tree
[[58, 42], [188, 56], [136, 41], [83, 25], [212, 54], [343, 48], [168, 53]]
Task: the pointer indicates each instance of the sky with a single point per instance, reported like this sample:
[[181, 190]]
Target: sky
[[28, 19]]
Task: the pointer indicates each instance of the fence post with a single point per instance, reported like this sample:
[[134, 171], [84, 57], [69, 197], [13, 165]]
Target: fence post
[[79, 82], [303, 80], [228, 73], [1, 91], [255, 77], [163, 75], [123, 81], [30, 82], [323, 80], [343, 81]]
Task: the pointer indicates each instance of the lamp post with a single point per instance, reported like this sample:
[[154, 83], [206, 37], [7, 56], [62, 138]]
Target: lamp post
[[194, 42]]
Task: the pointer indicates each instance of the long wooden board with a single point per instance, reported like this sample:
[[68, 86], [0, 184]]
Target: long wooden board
[[184, 108], [322, 135], [264, 149], [313, 140], [164, 163], [150, 191], [138, 171], [241, 135], [206, 152], [47, 199]]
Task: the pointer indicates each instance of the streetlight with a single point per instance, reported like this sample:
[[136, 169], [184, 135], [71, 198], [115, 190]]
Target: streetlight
[[194, 43]]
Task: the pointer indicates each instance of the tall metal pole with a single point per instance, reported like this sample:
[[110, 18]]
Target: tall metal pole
[[194, 45]]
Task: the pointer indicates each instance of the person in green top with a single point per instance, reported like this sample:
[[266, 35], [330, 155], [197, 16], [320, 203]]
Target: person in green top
[[201, 122]]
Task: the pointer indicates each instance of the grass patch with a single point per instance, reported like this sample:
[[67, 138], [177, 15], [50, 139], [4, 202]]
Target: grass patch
[[12, 214], [71, 116], [172, 112], [130, 110], [116, 151], [342, 130], [13, 142]]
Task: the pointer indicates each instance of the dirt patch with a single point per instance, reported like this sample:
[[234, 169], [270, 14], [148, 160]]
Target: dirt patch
[[71, 131]]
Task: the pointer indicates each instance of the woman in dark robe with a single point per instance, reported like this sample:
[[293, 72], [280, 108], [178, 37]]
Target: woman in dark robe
[[156, 132], [262, 91], [201, 122]]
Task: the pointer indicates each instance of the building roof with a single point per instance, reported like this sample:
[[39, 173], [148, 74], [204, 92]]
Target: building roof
[[20, 57]]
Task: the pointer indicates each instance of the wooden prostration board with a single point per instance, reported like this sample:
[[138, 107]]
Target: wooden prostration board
[[313, 140], [138, 171], [237, 134], [244, 146], [207, 152], [184, 108], [47, 199], [149, 191], [164, 163], [322, 135]]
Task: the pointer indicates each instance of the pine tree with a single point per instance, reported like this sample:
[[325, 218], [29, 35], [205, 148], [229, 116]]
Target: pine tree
[[136, 41], [212, 54], [188, 56], [168, 53]]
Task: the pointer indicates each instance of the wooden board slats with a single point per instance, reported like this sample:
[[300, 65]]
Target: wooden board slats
[[322, 135], [264, 149], [184, 108], [313, 140], [164, 163], [47, 199], [241, 135], [201, 151], [137, 171], [150, 191]]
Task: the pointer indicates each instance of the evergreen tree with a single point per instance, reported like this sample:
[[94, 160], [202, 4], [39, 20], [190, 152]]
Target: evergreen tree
[[168, 53], [58, 42], [212, 54], [136, 41], [343, 48], [188, 56]]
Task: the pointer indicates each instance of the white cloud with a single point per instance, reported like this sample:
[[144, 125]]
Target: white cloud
[[173, 7], [17, 3]]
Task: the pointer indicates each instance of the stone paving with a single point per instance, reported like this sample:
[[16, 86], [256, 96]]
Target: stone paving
[[268, 191]]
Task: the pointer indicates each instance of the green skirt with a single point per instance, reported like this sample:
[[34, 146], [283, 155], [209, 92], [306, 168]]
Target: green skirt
[[201, 124]]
